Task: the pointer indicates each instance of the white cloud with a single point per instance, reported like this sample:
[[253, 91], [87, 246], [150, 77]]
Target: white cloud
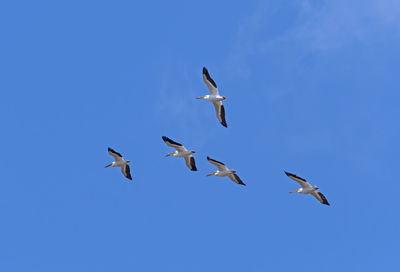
[[339, 23], [318, 25]]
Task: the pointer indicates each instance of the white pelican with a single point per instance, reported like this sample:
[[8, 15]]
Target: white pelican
[[180, 152], [214, 97], [120, 162], [223, 171], [306, 188]]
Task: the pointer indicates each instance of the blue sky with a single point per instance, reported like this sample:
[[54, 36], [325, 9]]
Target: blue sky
[[312, 89]]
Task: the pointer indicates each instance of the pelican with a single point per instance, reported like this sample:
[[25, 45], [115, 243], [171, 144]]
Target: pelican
[[120, 162], [306, 188], [214, 97], [180, 152], [223, 171]]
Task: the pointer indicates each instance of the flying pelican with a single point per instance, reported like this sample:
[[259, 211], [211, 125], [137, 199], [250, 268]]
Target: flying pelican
[[120, 162], [214, 97], [180, 152], [307, 188], [223, 171]]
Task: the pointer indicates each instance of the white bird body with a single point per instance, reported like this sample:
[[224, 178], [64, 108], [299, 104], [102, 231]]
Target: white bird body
[[307, 189], [181, 152], [223, 171], [120, 162], [214, 97]]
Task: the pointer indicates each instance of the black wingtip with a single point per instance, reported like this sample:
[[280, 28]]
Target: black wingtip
[[324, 200], [205, 71], [288, 174], [115, 152], [168, 140], [208, 158]]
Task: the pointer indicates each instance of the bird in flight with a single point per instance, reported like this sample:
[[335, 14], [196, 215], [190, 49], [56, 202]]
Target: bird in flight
[[306, 188], [223, 171], [181, 152], [120, 162], [214, 97]]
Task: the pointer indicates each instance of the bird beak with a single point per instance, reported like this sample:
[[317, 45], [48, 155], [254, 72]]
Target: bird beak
[[200, 97], [128, 161], [295, 191], [224, 98], [316, 188], [211, 174], [169, 154], [108, 165]]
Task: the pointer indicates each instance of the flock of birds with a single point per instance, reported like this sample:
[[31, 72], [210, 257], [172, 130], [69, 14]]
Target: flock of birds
[[181, 152]]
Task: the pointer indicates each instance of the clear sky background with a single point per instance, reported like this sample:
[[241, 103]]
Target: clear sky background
[[312, 88]]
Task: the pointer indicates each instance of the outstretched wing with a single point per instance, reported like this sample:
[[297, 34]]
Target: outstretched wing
[[126, 171], [303, 183], [321, 198], [220, 112], [191, 164], [115, 154], [219, 165], [210, 82], [236, 179], [173, 144]]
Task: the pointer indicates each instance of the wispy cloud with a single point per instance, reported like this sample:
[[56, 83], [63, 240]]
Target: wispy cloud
[[312, 25], [336, 24]]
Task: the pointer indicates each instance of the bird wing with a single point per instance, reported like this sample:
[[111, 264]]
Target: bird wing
[[173, 144], [115, 154], [220, 112], [303, 183], [191, 164], [210, 82], [126, 171], [236, 179], [219, 165], [321, 198]]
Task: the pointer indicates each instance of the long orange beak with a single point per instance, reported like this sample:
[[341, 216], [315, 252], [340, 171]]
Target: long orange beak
[[295, 191], [169, 154], [211, 174], [200, 97], [108, 165]]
